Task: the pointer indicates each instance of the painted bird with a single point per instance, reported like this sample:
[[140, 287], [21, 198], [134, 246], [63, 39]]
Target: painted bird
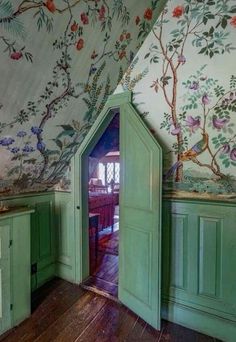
[[190, 154]]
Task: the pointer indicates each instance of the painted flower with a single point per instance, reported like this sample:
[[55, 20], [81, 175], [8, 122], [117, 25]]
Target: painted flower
[[233, 21], [101, 15], [92, 70], [74, 27], [194, 85], [175, 131], [193, 123], [14, 150], [41, 146], [231, 96], [181, 59], [128, 35], [178, 11], [94, 55], [50, 6], [225, 149], [27, 148], [148, 14], [122, 37], [205, 99], [21, 134], [84, 18], [233, 154], [80, 44], [16, 55], [122, 54], [6, 141], [219, 123], [225, 103], [36, 130], [137, 20]]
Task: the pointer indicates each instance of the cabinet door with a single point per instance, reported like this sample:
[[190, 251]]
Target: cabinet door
[[42, 244], [20, 265], [5, 313]]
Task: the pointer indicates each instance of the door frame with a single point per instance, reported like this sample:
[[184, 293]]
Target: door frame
[[81, 182]]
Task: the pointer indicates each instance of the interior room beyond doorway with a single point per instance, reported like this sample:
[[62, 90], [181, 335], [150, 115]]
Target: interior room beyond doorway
[[103, 210]]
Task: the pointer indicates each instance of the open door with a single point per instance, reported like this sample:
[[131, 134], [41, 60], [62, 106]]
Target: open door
[[140, 218]]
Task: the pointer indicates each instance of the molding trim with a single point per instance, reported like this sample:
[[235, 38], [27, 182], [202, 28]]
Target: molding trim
[[199, 320]]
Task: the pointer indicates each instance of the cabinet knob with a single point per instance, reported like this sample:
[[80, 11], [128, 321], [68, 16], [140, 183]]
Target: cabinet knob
[[78, 207]]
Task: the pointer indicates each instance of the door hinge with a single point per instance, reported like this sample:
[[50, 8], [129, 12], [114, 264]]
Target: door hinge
[[10, 243], [34, 268], [11, 307]]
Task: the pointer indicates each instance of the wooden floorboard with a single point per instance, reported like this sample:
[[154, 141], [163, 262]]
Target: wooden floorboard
[[100, 285], [64, 312]]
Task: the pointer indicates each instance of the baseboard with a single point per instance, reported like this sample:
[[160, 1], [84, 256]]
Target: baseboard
[[200, 321], [65, 272], [45, 274]]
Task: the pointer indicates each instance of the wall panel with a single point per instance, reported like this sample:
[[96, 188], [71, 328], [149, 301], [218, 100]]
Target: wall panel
[[199, 258]]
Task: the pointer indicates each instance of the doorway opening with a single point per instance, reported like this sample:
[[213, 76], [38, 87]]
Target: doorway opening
[[103, 211], [140, 209]]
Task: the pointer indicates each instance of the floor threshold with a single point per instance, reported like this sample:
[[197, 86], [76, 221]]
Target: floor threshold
[[101, 287]]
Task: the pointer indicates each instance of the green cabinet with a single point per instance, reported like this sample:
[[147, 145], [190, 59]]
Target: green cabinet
[[42, 244], [199, 258], [43, 251], [15, 267]]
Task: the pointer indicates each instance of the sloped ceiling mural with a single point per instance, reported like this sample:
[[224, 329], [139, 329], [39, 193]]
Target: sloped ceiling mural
[[59, 61], [184, 80]]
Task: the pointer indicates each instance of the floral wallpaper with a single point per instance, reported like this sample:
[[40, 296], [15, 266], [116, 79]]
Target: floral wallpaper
[[184, 85], [59, 61]]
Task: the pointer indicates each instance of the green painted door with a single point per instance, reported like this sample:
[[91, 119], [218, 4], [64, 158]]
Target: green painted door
[[140, 218], [5, 316]]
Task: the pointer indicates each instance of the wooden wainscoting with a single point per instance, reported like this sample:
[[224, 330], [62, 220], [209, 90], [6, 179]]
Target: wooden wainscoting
[[198, 266]]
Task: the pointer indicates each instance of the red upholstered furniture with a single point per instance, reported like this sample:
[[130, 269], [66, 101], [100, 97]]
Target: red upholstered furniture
[[104, 205]]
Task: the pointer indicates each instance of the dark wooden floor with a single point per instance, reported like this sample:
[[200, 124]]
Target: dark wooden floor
[[65, 312], [103, 268]]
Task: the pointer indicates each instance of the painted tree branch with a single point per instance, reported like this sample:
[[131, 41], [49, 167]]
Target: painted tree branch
[[173, 102], [216, 172], [28, 5], [50, 106]]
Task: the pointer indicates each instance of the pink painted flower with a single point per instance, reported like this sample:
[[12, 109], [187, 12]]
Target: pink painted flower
[[193, 123], [194, 85], [175, 131], [182, 59], [205, 99], [233, 21], [178, 11], [219, 123], [84, 18], [16, 55], [233, 154], [225, 149]]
